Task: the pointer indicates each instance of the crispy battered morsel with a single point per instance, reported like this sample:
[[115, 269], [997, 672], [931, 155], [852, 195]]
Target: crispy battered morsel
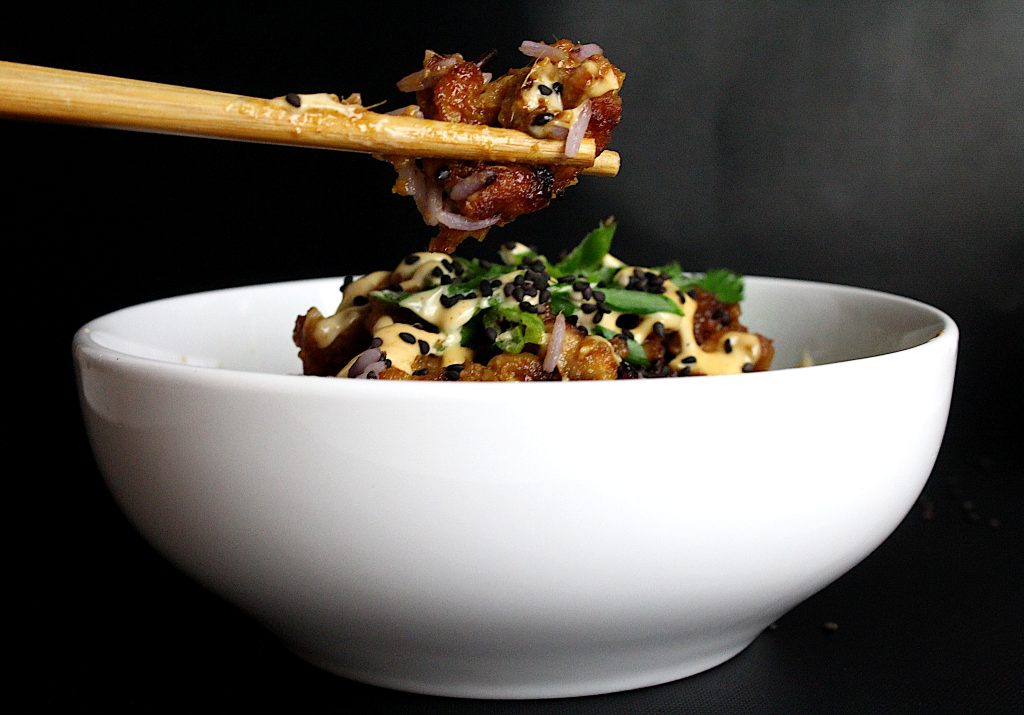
[[570, 92]]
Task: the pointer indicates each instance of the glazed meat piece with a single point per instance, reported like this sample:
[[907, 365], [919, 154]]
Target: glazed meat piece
[[569, 92]]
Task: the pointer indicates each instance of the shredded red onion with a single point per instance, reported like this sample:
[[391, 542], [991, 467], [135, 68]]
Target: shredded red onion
[[471, 184], [555, 344], [556, 132], [578, 130], [539, 50], [426, 194], [582, 52], [376, 368], [461, 223], [364, 361], [426, 77]]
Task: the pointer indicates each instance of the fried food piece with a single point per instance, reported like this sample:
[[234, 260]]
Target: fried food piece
[[568, 93]]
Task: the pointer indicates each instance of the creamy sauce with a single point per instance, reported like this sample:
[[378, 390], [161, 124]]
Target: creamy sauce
[[330, 328], [426, 280]]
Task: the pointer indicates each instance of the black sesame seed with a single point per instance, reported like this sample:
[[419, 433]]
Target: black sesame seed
[[685, 371], [360, 300], [507, 290], [692, 293], [748, 367], [658, 329], [572, 319], [469, 296], [447, 264], [455, 367], [527, 307], [387, 362], [495, 282], [728, 346], [583, 329], [627, 334], [424, 347], [485, 289], [421, 371], [407, 338], [518, 280], [446, 280], [599, 296], [371, 375], [627, 321], [588, 293], [411, 259], [395, 287], [567, 279], [447, 302], [376, 343], [541, 119], [293, 99], [544, 89], [437, 272], [531, 291], [588, 307], [690, 359], [557, 86], [492, 334], [509, 245], [518, 293], [580, 286], [545, 296]]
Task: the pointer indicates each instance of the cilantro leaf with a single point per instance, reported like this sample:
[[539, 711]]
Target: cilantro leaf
[[589, 253]]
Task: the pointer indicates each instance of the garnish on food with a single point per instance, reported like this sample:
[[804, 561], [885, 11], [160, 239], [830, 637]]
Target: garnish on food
[[587, 316], [571, 91]]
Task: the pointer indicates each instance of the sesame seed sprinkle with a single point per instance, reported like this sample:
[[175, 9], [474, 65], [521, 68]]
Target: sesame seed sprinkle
[[407, 338], [293, 99]]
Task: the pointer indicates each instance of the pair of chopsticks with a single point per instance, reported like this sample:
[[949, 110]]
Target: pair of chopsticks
[[46, 94]]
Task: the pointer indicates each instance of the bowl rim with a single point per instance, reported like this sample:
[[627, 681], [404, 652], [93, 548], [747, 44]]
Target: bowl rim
[[84, 344]]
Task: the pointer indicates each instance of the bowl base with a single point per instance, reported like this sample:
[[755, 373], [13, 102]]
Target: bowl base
[[506, 686]]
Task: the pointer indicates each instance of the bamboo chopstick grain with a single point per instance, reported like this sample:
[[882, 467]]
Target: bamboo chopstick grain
[[46, 94]]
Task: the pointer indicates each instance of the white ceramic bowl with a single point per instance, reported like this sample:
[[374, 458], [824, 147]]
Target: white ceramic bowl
[[515, 540]]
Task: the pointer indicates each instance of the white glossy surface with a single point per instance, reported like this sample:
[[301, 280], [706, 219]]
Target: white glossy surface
[[515, 540]]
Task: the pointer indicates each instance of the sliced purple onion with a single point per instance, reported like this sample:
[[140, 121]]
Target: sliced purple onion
[[540, 50], [556, 132], [471, 184], [555, 344], [582, 52], [578, 130], [364, 360], [426, 77], [460, 223], [426, 194], [374, 368]]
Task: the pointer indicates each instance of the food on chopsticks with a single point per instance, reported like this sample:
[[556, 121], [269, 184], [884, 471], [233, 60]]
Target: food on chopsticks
[[569, 92], [587, 316]]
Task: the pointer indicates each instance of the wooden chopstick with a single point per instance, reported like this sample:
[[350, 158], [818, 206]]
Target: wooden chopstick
[[46, 94]]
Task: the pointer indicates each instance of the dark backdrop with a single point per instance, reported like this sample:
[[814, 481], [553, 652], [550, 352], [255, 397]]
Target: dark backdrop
[[873, 144]]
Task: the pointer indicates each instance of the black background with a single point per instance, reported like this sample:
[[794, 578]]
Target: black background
[[872, 144]]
